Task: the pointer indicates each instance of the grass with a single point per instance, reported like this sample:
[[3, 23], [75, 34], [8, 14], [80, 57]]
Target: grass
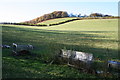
[[88, 25], [16, 67], [98, 37], [54, 21]]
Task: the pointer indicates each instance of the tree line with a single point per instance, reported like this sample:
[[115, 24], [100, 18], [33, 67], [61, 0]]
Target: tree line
[[91, 15], [61, 14], [30, 24]]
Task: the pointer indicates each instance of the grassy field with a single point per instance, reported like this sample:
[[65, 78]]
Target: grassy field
[[98, 37], [88, 25], [54, 21]]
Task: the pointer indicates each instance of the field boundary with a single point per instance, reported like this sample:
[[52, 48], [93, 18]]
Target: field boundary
[[59, 23]]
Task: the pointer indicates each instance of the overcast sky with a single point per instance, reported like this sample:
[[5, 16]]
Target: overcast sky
[[23, 10]]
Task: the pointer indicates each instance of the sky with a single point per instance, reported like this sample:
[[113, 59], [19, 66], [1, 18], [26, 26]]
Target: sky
[[24, 10]]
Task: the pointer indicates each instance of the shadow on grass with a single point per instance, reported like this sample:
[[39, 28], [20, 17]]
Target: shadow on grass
[[38, 65], [31, 67], [21, 34], [45, 49]]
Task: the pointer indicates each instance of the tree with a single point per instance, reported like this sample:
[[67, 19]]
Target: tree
[[64, 14], [52, 15], [79, 15], [58, 14], [96, 15]]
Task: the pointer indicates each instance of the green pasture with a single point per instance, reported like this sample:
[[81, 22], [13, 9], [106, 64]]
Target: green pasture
[[54, 21], [99, 37], [88, 25]]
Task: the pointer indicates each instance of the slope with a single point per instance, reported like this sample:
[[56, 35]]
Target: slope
[[98, 37], [58, 20]]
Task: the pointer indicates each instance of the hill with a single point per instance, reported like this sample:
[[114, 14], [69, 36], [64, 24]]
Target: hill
[[96, 36], [53, 15], [58, 21], [87, 25]]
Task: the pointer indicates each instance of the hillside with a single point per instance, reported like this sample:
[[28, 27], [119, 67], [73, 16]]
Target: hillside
[[53, 15], [81, 25], [96, 36], [58, 21], [87, 25]]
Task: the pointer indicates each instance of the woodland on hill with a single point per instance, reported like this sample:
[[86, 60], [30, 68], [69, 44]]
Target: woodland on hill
[[62, 14], [53, 15]]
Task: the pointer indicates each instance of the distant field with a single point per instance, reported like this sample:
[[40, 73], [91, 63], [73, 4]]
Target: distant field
[[99, 37], [82, 25], [54, 21], [88, 25]]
